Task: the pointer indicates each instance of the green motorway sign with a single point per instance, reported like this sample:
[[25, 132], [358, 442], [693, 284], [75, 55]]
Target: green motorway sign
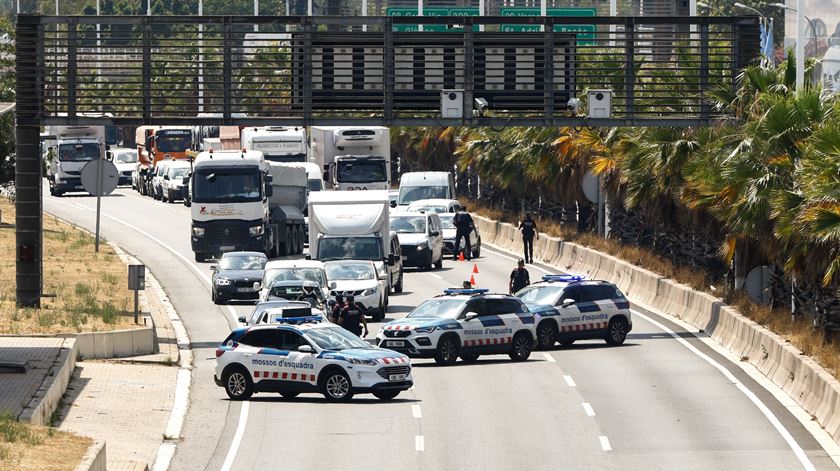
[[432, 11], [585, 33]]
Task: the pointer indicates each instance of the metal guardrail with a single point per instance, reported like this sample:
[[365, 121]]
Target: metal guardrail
[[329, 70]]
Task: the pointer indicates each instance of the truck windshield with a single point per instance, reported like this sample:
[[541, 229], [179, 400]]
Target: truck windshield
[[78, 152], [227, 185], [361, 171], [411, 194], [350, 248], [171, 142]]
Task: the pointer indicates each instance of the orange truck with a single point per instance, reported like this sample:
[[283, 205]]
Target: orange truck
[[157, 143]]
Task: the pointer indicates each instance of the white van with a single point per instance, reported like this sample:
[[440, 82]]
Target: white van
[[416, 186]]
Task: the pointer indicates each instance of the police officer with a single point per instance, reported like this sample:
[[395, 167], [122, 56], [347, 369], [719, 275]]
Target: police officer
[[519, 277], [464, 225], [335, 312], [352, 317], [529, 230], [309, 295]]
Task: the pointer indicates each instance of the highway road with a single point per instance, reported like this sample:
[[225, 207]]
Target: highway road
[[657, 402]]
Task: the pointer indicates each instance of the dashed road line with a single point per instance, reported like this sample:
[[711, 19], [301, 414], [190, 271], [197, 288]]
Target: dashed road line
[[548, 357], [588, 408], [416, 412], [605, 443], [419, 443], [569, 381]]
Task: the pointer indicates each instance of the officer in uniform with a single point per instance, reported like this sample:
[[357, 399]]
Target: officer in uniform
[[519, 277], [529, 230], [464, 225], [353, 316]]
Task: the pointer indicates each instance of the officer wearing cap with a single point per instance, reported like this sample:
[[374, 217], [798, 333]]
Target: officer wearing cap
[[519, 277]]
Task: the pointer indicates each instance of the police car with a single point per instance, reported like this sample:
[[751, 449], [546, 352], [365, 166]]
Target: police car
[[465, 323], [307, 355], [572, 308]]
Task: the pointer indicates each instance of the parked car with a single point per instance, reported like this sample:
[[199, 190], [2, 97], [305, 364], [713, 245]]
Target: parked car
[[235, 275], [449, 233], [358, 278], [421, 239]]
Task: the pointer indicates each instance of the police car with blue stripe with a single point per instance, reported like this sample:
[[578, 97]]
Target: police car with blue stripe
[[307, 355], [572, 308], [463, 323]]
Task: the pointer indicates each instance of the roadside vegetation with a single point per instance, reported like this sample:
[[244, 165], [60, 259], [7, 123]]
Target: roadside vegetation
[[25, 447], [86, 291]]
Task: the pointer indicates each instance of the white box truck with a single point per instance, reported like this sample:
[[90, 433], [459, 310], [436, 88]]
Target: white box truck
[[353, 157], [277, 143], [426, 186], [75, 146]]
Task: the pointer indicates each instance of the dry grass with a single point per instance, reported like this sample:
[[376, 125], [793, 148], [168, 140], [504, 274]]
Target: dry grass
[[800, 332], [27, 447], [90, 289]]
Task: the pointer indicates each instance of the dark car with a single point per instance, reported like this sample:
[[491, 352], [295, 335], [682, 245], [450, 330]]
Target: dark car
[[235, 275]]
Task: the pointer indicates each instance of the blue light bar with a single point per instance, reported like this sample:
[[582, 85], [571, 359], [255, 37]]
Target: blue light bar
[[298, 320], [563, 278], [452, 291]]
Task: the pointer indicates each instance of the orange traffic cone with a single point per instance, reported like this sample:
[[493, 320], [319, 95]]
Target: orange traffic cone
[[461, 256], [472, 281], [475, 268]]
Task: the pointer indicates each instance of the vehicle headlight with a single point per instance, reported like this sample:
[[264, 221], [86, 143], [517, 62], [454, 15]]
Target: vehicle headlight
[[361, 361], [222, 281], [198, 231], [368, 291], [425, 330], [256, 230]]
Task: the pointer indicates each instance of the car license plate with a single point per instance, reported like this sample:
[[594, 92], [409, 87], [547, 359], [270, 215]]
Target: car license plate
[[244, 290], [397, 377], [394, 343], [226, 248]]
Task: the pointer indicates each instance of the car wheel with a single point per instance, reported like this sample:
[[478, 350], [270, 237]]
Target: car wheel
[[200, 257], [439, 263], [238, 384], [289, 395], [336, 386], [521, 348], [546, 334], [447, 350], [398, 288], [219, 300], [380, 312], [469, 358], [477, 251], [386, 395], [617, 331]]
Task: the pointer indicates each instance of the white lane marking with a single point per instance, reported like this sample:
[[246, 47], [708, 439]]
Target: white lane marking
[[237, 437], [174, 252], [794, 446], [605, 443], [416, 412], [797, 450], [436, 276], [569, 381], [588, 408], [419, 444], [548, 357]]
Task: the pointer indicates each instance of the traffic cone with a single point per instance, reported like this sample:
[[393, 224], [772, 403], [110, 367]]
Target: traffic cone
[[475, 268], [472, 281], [461, 256]]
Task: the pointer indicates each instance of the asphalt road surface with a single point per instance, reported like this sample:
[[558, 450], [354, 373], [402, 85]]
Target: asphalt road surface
[[651, 404]]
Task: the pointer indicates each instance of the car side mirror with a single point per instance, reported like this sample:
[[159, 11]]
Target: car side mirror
[[393, 204], [269, 191], [434, 233], [306, 349], [242, 319], [568, 302], [391, 260], [257, 286], [214, 268], [470, 316]]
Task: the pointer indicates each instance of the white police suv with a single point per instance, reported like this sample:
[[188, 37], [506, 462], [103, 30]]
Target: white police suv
[[305, 354], [465, 323], [572, 308]]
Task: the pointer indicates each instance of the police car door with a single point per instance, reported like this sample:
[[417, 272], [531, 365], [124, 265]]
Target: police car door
[[265, 358], [471, 320], [570, 316], [298, 367], [503, 321]]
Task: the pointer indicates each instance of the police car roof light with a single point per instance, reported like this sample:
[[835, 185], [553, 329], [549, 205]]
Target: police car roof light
[[299, 320], [452, 291], [564, 278]]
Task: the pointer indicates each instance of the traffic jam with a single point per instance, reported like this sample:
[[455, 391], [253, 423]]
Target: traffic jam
[[259, 196]]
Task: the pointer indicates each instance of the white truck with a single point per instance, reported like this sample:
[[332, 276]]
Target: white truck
[[351, 225], [75, 146], [353, 158], [277, 143], [241, 202]]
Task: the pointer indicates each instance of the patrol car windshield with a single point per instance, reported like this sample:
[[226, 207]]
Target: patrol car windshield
[[294, 274], [408, 224], [349, 271], [540, 294], [447, 221], [335, 338], [78, 152], [446, 308], [243, 262]]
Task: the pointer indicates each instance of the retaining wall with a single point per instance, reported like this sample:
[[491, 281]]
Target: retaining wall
[[94, 459], [40, 408], [813, 388]]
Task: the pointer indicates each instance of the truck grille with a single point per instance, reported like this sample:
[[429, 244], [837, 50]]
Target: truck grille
[[397, 333], [393, 370], [235, 235]]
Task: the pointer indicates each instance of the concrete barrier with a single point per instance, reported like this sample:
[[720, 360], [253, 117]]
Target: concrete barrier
[[45, 400], [813, 388], [94, 459]]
